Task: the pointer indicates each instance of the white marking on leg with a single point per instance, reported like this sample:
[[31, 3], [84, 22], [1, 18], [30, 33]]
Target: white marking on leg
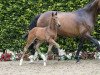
[[31, 58], [21, 60], [98, 55], [44, 63], [35, 55], [44, 58]]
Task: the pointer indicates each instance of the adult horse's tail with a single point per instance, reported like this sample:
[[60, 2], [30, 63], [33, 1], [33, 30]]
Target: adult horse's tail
[[32, 25]]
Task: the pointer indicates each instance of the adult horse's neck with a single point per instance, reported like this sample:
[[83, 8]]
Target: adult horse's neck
[[89, 13]]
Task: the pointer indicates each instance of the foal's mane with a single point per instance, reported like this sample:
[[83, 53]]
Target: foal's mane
[[52, 22]]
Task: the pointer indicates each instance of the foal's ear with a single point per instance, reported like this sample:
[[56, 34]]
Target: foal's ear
[[52, 14], [56, 13]]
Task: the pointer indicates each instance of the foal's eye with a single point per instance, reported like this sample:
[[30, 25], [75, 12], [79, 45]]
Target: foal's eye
[[54, 19]]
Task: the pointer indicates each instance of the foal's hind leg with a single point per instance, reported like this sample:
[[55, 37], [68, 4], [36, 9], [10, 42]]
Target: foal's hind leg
[[25, 49], [29, 42]]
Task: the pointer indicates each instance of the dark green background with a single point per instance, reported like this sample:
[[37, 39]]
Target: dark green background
[[16, 15]]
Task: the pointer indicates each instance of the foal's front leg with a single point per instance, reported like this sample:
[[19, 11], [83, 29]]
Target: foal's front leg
[[56, 44], [49, 48], [42, 56]]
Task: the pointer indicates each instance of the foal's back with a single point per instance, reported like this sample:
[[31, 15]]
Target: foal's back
[[38, 32], [42, 33]]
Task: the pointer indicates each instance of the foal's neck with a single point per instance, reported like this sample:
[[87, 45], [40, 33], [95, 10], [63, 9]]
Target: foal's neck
[[52, 26]]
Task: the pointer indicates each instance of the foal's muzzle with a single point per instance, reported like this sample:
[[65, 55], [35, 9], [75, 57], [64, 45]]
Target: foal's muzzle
[[58, 25]]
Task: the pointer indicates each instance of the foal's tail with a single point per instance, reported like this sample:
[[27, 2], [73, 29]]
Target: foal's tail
[[32, 25]]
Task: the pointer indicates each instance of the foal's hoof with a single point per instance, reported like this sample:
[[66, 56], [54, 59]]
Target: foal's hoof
[[21, 62], [30, 62], [44, 64]]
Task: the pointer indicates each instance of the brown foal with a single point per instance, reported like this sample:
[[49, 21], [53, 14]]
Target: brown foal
[[43, 34]]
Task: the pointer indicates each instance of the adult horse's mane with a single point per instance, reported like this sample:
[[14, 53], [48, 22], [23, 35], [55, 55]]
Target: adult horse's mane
[[88, 7]]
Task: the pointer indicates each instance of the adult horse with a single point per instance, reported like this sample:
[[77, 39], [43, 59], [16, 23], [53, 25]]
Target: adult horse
[[79, 23]]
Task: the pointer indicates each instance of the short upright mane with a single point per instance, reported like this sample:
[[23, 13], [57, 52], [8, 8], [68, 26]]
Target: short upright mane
[[51, 23]]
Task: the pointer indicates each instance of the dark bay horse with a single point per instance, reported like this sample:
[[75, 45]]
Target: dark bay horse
[[79, 23], [44, 34]]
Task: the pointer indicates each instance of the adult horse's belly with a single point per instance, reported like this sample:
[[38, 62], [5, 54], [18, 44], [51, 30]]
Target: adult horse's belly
[[68, 23]]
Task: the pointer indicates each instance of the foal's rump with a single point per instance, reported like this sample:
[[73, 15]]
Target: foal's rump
[[70, 23]]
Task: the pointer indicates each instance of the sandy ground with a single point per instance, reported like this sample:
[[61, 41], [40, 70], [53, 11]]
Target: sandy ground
[[85, 67]]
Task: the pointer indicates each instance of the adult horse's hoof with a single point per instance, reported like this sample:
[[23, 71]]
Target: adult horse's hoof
[[77, 59]]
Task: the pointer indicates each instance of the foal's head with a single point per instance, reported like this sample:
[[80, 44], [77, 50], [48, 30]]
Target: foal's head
[[54, 22]]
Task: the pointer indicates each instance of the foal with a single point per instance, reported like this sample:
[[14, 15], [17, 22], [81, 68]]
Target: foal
[[43, 34]]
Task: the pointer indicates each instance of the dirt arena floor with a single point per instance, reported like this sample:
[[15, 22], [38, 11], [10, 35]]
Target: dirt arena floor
[[85, 67]]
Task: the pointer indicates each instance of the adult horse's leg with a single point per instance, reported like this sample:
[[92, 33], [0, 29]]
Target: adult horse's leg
[[80, 46], [95, 41]]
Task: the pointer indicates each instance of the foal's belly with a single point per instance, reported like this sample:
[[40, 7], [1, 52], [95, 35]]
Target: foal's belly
[[40, 34]]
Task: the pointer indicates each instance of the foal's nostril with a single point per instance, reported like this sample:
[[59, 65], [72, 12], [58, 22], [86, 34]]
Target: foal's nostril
[[59, 25]]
